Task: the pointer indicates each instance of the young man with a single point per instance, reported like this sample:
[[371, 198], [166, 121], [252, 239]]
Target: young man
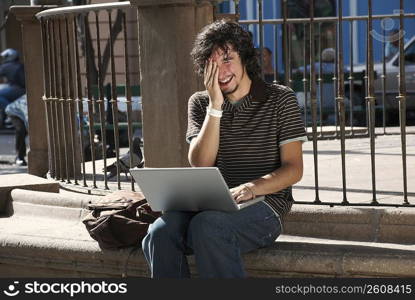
[[251, 131]]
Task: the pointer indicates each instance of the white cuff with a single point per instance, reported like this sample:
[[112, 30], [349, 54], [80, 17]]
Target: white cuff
[[214, 112]]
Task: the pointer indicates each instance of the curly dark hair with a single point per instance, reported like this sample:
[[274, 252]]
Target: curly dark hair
[[221, 34]]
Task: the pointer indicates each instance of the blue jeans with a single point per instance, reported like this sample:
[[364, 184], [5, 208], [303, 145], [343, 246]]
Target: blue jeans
[[217, 239]]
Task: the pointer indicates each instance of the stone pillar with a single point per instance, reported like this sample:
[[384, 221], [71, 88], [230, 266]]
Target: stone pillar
[[167, 29], [32, 53], [14, 34]]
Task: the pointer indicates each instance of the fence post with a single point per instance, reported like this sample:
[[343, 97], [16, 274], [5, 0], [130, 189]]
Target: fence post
[[167, 29], [32, 53]]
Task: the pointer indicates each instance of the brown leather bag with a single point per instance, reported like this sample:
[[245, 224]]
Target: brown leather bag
[[120, 219]]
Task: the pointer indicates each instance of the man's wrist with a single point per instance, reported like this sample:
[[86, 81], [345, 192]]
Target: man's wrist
[[250, 191], [214, 112], [215, 103], [215, 106], [252, 187]]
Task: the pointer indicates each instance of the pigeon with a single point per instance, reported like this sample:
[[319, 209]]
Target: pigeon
[[124, 161]]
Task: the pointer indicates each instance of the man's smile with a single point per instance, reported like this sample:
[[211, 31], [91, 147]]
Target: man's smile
[[225, 81]]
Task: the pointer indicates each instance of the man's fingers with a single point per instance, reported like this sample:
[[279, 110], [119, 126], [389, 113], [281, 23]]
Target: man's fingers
[[211, 74], [214, 76], [240, 198], [239, 194], [208, 72], [208, 63]]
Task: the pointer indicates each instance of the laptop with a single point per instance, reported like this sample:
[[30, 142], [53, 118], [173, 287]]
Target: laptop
[[187, 189]]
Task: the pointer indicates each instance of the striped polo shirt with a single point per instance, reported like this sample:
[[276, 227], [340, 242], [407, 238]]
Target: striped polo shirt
[[251, 134]]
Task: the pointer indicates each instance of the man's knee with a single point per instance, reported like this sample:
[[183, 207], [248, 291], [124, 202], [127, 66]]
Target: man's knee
[[170, 226], [157, 230], [156, 234]]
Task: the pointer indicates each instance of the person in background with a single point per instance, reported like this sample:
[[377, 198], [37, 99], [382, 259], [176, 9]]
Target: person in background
[[328, 57], [13, 72], [267, 65], [17, 113]]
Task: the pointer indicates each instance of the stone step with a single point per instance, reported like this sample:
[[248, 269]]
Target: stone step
[[38, 247], [23, 181], [363, 223], [69, 207], [45, 238], [387, 224], [298, 256]]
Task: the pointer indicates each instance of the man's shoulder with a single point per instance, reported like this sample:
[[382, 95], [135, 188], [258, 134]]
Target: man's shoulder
[[277, 92], [199, 97], [278, 87], [200, 94]]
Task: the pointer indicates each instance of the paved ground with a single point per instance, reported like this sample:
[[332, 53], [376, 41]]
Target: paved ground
[[388, 169]]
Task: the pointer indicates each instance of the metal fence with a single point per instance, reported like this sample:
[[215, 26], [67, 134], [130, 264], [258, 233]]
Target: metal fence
[[71, 96], [77, 105]]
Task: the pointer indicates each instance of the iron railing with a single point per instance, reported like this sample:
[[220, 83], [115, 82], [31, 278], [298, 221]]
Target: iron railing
[[70, 97], [76, 105]]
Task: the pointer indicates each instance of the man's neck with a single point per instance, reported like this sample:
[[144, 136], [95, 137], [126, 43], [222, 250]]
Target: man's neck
[[242, 90]]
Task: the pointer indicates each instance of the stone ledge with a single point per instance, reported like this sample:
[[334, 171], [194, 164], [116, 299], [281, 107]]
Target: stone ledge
[[333, 258], [297, 256], [23, 181], [388, 225], [58, 200], [380, 224], [50, 241]]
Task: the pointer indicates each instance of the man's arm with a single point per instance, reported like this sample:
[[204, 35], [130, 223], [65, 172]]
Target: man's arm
[[290, 172], [204, 148]]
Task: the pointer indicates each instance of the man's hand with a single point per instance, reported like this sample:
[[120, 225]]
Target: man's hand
[[211, 81], [242, 193]]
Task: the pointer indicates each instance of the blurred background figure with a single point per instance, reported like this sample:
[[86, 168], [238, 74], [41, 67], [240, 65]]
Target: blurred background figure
[[17, 113], [328, 57], [327, 99], [267, 64], [13, 87]]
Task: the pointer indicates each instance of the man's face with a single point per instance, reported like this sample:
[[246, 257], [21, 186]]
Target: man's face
[[231, 70]]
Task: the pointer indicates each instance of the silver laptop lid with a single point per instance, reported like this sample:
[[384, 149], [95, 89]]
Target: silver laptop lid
[[187, 189]]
